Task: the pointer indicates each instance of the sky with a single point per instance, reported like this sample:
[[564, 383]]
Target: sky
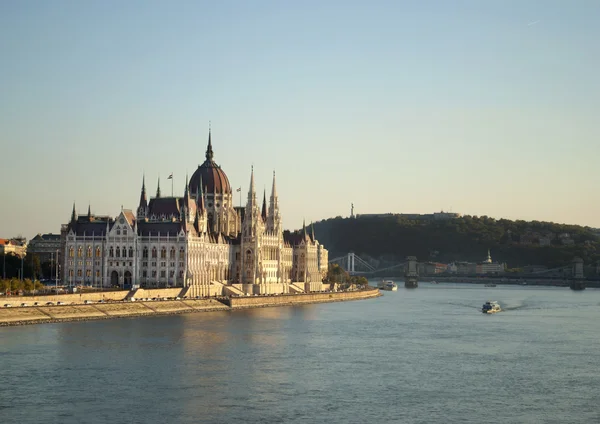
[[476, 107]]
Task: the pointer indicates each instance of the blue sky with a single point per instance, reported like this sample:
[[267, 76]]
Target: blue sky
[[481, 107]]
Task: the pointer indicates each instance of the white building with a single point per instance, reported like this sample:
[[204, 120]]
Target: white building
[[200, 241]]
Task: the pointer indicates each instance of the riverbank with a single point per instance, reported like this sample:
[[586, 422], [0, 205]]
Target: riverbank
[[25, 315]]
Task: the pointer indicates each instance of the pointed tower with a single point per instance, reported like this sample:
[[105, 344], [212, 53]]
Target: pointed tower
[[89, 215], [274, 218], [73, 214], [200, 216], [209, 150], [264, 207], [158, 188], [142, 210], [312, 232]]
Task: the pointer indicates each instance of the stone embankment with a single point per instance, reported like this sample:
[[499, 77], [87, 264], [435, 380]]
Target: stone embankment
[[117, 305]]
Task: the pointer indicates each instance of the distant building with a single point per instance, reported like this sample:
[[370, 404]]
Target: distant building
[[432, 268], [489, 267], [436, 216], [15, 246], [45, 246]]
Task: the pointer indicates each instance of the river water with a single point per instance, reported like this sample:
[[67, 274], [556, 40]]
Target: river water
[[412, 356]]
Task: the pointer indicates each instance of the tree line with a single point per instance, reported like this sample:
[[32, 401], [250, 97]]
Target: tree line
[[468, 238]]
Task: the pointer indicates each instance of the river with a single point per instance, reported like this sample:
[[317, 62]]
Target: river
[[412, 356]]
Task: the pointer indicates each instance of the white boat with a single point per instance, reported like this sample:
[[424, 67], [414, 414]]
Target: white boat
[[389, 285], [491, 307]]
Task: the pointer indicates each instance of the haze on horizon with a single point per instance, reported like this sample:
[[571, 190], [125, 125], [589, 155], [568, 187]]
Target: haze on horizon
[[404, 107]]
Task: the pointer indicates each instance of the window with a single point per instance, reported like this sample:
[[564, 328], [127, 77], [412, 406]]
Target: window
[[110, 264], [79, 263], [163, 274], [97, 274], [124, 232], [98, 254], [89, 251], [118, 232], [180, 264], [88, 273], [154, 252], [172, 264], [144, 273], [154, 274], [145, 252], [88, 263], [111, 252], [153, 263], [144, 263], [131, 252], [118, 252], [163, 264], [79, 252], [71, 252], [163, 253], [171, 274], [181, 274], [130, 263], [70, 273], [79, 273], [172, 254], [182, 253]]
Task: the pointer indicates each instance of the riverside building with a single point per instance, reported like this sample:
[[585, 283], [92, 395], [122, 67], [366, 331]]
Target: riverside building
[[200, 241]]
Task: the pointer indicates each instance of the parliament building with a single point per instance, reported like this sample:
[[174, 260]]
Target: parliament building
[[199, 241]]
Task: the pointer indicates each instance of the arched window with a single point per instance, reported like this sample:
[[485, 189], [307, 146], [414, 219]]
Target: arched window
[[111, 252], [145, 252], [98, 253], [79, 252], [118, 252], [71, 252], [248, 256], [163, 253], [181, 253], [124, 252], [131, 252], [172, 254], [154, 252], [89, 251]]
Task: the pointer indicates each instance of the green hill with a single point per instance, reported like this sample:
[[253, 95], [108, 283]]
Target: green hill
[[468, 238]]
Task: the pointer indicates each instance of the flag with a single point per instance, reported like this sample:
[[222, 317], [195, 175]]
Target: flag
[[239, 189], [170, 177]]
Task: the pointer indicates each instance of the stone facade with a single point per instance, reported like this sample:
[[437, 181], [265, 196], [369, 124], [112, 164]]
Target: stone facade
[[200, 241]]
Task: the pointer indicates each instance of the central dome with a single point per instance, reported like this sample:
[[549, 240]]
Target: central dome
[[214, 179]]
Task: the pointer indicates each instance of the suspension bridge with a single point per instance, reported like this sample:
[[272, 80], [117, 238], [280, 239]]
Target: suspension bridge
[[356, 266]]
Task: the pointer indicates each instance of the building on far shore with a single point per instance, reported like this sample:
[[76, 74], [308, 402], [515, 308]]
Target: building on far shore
[[200, 241], [489, 267], [15, 246]]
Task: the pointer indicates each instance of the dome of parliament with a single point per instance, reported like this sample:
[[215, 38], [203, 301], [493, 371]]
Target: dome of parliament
[[214, 179]]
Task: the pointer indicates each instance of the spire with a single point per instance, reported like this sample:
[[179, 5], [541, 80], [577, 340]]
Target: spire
[[143, 206], [264, 206], [304, 228], [209, 150], [73, 214], [274, 189], [200, 197], [312, 231], [89, 211], [251, 191], [158, 188]]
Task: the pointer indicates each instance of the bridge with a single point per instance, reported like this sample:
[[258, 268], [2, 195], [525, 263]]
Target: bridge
[[356, 266]]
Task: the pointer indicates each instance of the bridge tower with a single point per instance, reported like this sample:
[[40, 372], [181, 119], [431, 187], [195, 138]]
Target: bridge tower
[[577, 282], [351, 259], [411, 273]]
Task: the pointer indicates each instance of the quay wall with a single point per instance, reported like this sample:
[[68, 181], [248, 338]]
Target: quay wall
[[82, 312], [293, 299]]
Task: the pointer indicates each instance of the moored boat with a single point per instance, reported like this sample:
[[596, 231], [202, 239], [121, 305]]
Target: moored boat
[[389, 286]]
